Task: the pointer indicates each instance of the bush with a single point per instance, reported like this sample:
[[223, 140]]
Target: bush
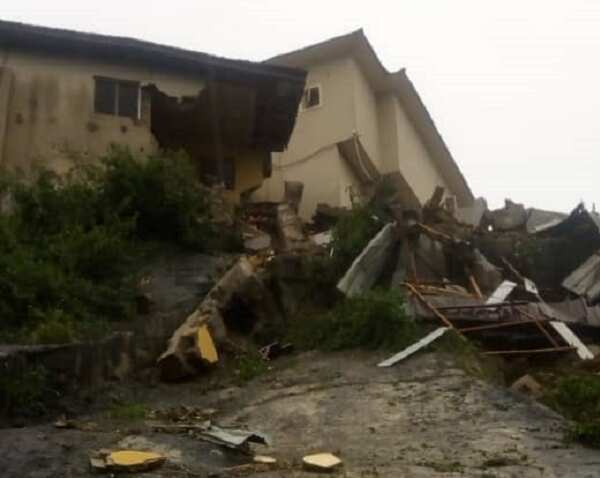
[[25, 392], [351, 235], [374, 320], [70, 250], [578, 398]]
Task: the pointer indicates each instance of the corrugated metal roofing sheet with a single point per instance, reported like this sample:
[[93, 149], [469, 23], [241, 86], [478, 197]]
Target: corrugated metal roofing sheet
[[585, 280]]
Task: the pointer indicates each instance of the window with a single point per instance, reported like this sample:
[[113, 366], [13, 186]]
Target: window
[[311, 98], [210, 172], [117, 97]]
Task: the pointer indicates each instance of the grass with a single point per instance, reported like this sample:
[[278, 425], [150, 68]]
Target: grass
[[249, 367], [374, 320], [130, 411], [577, 397]]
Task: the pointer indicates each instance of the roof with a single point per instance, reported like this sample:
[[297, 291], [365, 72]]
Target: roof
[[357, 45], [278, 89], [22, 35]]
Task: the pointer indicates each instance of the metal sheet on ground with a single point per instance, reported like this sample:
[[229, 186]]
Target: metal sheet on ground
[[567, 334], [501, 293], [436, 334]]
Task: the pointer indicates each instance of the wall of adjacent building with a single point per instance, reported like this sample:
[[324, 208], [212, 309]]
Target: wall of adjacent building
[[414, 160], [51, 118], [312, 156]]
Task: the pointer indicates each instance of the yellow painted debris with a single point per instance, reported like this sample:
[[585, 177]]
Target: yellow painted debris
[[206, 346], [135, 460], [265, 460], [321, 461]]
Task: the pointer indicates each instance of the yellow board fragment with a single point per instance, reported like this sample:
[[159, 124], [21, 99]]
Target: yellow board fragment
[[206, 346], [132, 458], [321, 461]]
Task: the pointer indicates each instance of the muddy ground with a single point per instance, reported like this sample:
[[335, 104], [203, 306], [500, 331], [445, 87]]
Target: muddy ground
[[424, 417]]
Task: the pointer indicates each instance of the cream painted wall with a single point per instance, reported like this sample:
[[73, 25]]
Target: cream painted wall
[[51, 116], [350, 105], [366, 119], [414, 161], [329, 123], [388, 133], [312, 156]]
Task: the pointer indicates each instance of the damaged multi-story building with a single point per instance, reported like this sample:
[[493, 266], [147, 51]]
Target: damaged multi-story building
[[67, 95], [358, 123]]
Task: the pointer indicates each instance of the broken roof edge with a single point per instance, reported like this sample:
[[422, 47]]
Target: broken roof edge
[[23, 34], [357, 45]]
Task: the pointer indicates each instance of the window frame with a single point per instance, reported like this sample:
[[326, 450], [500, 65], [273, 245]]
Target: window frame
[[117, 83], [306, 90]]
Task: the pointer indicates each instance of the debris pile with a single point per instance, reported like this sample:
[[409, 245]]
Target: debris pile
[[519, 281]]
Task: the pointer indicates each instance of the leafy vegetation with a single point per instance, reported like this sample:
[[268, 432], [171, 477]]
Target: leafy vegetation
[[374, 320], [578, 398], [24, 393], [70, 247], [128, 411], [250, 366]]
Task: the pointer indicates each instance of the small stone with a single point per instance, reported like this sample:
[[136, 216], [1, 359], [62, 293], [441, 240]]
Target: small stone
[[528, 386]]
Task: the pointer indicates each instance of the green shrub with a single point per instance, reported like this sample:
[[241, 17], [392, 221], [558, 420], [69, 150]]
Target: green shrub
[[250, 366], [128, 411], [587, 433], [352, 233], [24, 393], [70, 250], [374, 320], [161, 194], [578, 398]]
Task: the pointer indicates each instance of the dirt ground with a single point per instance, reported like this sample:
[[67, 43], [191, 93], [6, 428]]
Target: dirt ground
[[424, 417]]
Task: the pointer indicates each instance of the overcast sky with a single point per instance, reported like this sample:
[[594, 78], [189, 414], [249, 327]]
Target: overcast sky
[[513, 85]]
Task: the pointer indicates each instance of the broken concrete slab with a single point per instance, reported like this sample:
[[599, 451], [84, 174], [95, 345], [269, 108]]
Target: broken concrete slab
[[322, 238], [323, 462], [290, 229], [473, 214], [184, 355], [259, 242], [368, 266], [511, 217]]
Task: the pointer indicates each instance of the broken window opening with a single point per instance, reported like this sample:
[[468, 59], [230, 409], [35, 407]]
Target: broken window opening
[[117, 97], [311, 97], [210, 172]]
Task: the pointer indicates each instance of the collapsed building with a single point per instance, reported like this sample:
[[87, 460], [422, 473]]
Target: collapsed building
[[67, 96]]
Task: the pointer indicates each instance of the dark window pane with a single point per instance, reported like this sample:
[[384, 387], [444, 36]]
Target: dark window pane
[[229, 173], [104, 96], [128, 99], [312, 97]]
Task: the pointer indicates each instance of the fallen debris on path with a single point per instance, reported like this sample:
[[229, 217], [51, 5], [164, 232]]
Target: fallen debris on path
[[323, 462], [424, 342], [125, 461]]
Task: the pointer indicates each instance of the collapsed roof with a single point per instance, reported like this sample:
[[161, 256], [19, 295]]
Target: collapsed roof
[[278, 88]]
